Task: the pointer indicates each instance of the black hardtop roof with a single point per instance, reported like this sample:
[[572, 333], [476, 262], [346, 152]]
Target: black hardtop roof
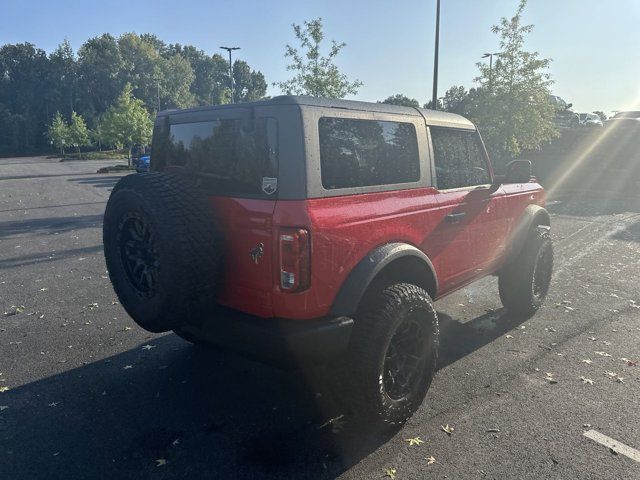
[[435, 116]]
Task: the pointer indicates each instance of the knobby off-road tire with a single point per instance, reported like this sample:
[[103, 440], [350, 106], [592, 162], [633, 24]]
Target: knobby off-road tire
[[398, 327], [524, 283], [162, 249]]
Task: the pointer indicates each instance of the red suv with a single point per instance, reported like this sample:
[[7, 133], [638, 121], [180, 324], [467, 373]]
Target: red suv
[[321, 231]]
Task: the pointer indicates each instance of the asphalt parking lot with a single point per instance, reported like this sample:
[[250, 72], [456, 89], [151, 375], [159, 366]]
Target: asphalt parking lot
[[85, 393]]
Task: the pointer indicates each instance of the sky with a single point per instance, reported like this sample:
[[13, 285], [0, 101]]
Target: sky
[[594, 44]]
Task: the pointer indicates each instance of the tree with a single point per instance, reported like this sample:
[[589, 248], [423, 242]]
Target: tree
[[514, 112], [99, 67], [248, 85], [97, 133], [58, 132], [177, 76], [316, 75], [455, 100], [62, 78], [429, 105], [602, 115], [78, 133], [127, 123], [23, 80], [402, 100]]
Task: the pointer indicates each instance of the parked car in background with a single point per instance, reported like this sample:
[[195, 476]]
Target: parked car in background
[[627, 119], [141, 158], [590, 120], [565, 117]]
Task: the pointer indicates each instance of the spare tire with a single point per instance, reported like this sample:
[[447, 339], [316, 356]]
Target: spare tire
[[162, 249]]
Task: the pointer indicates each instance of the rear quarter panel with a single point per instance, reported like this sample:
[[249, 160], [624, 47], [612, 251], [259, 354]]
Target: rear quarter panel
[[343, 231]]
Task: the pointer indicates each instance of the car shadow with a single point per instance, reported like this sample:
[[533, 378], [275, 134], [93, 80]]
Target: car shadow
[[172, 410], [457, 339], [98, 182], [48, 225]]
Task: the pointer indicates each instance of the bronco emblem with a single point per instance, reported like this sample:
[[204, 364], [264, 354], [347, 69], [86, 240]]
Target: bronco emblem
[[256, 252]]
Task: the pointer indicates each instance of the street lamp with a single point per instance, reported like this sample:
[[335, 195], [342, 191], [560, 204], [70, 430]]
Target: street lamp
[[230, 49], [434, 98], [490, 55]]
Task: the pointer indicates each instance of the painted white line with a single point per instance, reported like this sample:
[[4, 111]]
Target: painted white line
[[615, 445]]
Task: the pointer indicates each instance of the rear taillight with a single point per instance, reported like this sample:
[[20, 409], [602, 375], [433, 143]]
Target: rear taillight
[[295, 259]]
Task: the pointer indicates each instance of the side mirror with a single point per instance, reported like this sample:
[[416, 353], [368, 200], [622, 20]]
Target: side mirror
[[518, 171]]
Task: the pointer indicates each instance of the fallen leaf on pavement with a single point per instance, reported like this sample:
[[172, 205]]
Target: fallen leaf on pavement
[[586, 380], [13, 310], [390, 472], [610, 374], [448, 429], [127, 367], [4, 389], [148, 347], [3, 407], [587, 361], [160, 462], [619, 379], [602, 354], [508, 336], [431, 460], [414, 441]]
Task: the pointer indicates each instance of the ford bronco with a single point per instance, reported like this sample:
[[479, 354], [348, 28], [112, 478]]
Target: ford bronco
[[322, 231]]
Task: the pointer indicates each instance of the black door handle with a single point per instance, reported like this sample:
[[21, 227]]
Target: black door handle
[[454, 217]]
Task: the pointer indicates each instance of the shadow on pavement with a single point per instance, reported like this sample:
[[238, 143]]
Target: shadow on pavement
[[98, 182], [207, 413], [458, 340], [46, 257], [43, 226]]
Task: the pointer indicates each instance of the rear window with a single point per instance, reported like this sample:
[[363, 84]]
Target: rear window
[[361, 153], [231, 157]]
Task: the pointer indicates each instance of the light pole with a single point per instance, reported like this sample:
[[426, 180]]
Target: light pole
[[434, 98], [230, 49], [490, 55]]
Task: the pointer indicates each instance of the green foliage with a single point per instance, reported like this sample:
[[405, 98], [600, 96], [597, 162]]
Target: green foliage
[[512, 106], [78, 131], [127, 123], [248, 85], [34, 85], [58, 131], [316, 74], [402, 100]]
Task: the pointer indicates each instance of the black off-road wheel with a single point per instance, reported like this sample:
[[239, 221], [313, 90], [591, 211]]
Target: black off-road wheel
[[162, 249], [524, 283], [392, 356]]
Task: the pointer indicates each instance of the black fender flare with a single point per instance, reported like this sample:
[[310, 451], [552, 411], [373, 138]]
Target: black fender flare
[[533, 216], [354, 287]]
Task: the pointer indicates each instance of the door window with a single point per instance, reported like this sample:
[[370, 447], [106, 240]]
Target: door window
[[459, 158]]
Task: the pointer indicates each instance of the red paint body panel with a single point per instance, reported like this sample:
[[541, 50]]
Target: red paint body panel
[[345, 229]]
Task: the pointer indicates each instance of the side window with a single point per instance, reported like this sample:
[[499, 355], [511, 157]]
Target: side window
[[232, 157], [359, 153], [459, 158]]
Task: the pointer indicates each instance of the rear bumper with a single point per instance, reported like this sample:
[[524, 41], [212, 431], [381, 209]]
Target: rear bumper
[[288, 343]]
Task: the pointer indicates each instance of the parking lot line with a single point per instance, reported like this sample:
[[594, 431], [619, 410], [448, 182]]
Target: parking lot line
[[614, 445]]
